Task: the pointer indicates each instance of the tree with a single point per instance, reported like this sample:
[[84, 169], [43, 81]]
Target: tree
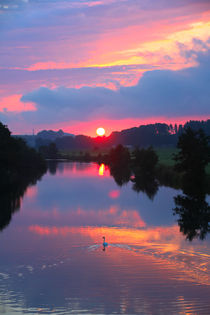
[[16, 159], [146, 184], [49, 151], [191, 160], [119, 162], [194, 152], [192, 208], [145, 160], [144, 164], [119, 156]]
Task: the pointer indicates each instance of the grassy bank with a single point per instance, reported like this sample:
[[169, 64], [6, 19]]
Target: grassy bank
[[165, 156], [165, 172]]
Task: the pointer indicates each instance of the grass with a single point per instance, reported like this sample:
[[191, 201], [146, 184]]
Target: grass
[[83, 152], [165, 156]]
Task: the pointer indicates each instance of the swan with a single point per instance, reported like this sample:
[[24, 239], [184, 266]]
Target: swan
[[104, 243]]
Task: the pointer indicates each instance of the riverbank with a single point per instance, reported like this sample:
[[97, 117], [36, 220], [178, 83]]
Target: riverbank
[[165, 157], [164, 170]]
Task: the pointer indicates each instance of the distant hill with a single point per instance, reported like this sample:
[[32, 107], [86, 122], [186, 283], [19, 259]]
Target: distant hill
[[156, 135], [43, 137], [52, 135]]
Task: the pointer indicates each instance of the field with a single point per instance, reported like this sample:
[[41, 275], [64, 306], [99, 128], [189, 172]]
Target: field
[[166, 157]]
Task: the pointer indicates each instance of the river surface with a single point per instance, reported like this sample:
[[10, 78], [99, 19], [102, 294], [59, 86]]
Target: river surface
[[53, 261]]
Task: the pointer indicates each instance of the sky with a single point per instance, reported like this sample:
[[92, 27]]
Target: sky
[[78, 65]]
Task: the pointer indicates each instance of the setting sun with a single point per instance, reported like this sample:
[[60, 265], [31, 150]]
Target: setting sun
[[100, 131]]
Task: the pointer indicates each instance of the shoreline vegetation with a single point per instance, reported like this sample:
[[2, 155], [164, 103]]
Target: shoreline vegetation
[[17, 160], [164, 170], [20, 167]]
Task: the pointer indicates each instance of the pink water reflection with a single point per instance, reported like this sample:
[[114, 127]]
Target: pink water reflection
[[164, 245], [52, 258]]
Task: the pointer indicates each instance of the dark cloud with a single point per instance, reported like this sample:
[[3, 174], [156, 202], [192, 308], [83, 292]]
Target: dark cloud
[[158, 93]]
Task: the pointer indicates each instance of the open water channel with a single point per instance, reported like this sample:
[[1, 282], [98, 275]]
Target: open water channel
[[53, 260]]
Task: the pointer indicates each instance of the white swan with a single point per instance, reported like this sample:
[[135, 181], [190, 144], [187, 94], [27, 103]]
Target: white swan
[[104, 243]]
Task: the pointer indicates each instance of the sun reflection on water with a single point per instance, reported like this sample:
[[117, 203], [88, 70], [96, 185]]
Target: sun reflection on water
[[101, 170]]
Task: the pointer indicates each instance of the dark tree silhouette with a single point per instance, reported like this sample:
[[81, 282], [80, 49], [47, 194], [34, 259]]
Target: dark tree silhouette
[[119, 162], [52, 166], [194, 152], [146, 184], [50, 151], [120, 174], [119, 156], [192, 208], [144, 161], [10, 199], [19, 167]]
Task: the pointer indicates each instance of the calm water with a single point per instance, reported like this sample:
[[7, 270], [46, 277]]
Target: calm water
[[52, 258]]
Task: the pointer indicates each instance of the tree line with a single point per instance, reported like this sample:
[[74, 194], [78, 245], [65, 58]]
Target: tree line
[[156, 135]]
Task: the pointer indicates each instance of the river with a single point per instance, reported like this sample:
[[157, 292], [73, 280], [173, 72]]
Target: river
[[53, 260]]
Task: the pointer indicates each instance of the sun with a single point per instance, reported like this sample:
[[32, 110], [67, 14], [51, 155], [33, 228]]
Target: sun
[[100, 131]]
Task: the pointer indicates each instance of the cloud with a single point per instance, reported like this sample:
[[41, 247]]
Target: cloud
[[52, 34], [158, 93], [13, 103]]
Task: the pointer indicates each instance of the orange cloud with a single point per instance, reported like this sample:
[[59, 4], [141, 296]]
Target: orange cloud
[[148, 44], [139, 44]]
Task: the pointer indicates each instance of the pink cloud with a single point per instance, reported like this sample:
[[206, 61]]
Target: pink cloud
[[12, 103]]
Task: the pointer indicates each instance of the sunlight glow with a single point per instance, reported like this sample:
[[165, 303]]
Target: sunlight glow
[[101, 170], [100, 131]]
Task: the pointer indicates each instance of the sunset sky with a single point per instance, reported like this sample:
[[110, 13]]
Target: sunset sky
[[82, 64]]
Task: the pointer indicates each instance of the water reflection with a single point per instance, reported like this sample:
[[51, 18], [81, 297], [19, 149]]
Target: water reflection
[[10, 202], [52, 257], [101, 170], [146, 184], [120, 174], [165, 243], [11, 197], [192, 208], [52, 167]]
